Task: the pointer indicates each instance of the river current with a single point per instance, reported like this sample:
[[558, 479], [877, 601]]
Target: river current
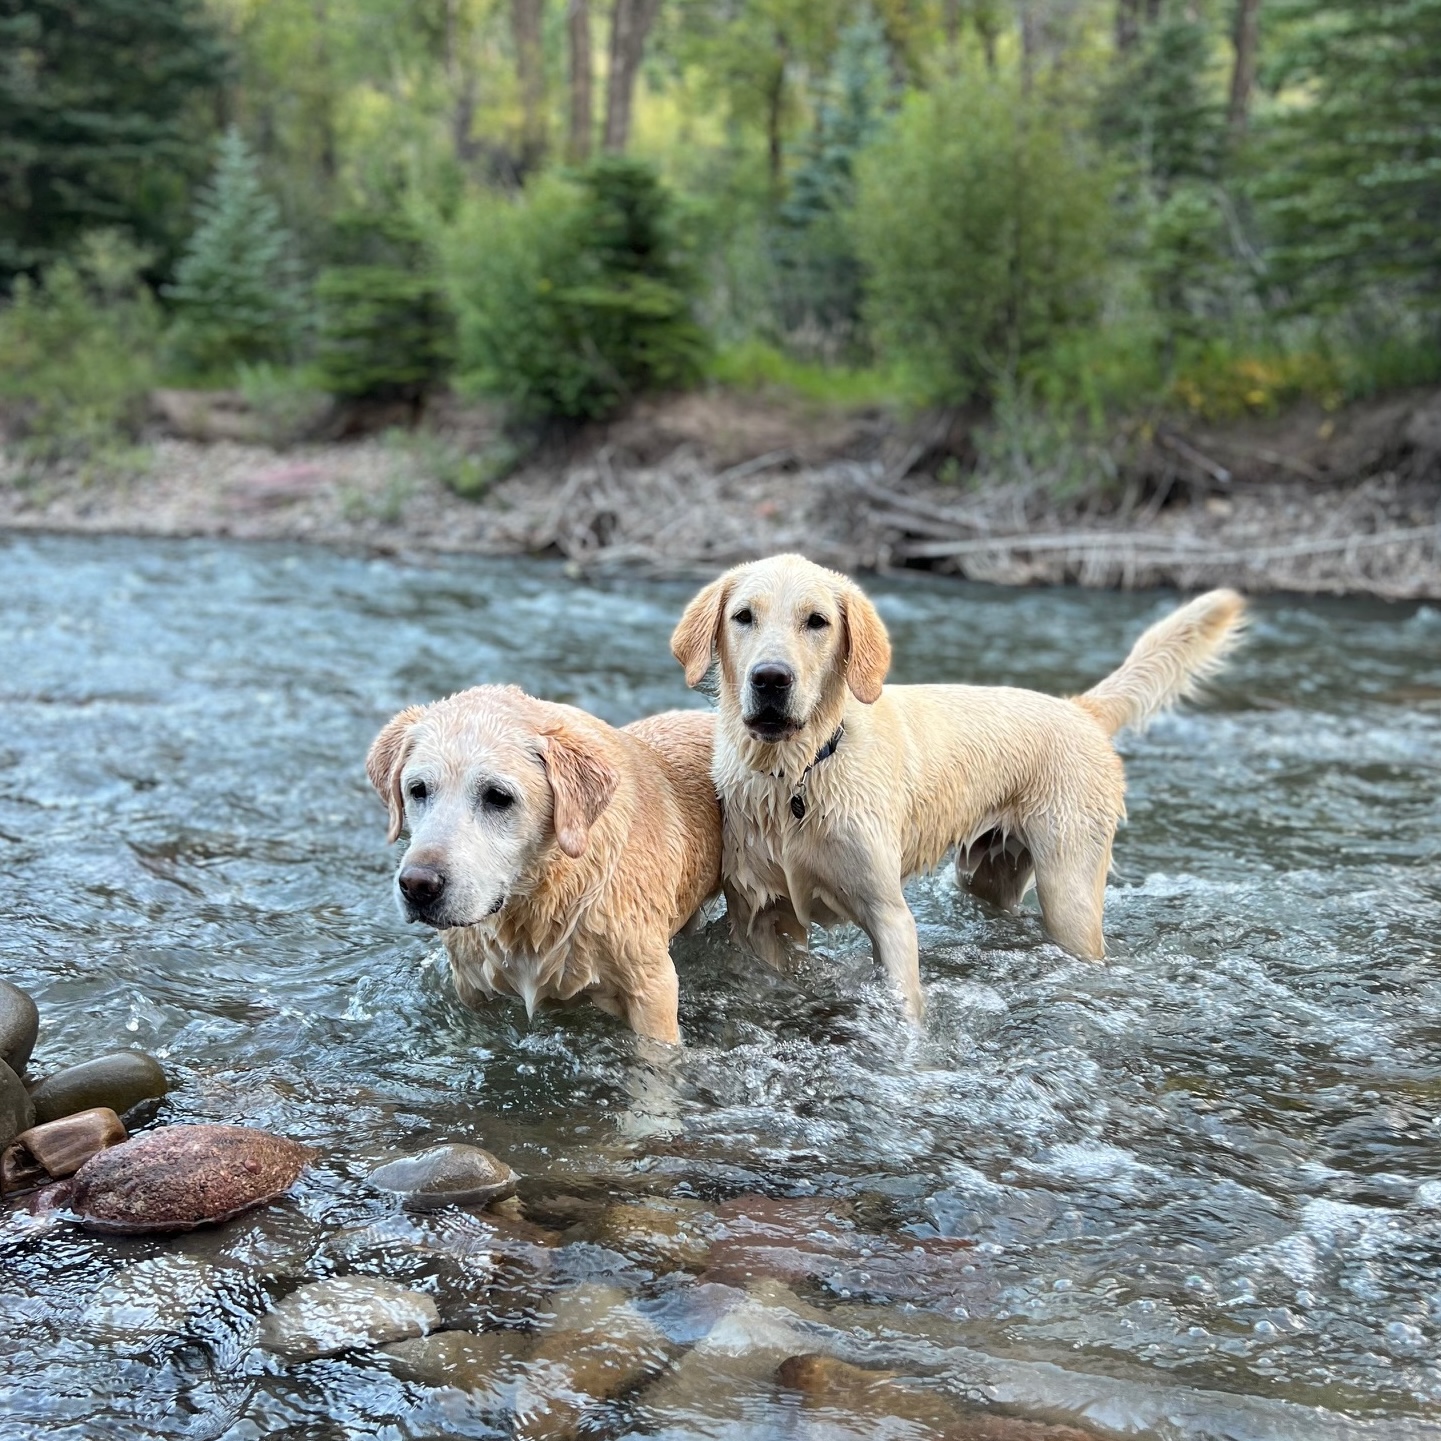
[[1200, 1185]]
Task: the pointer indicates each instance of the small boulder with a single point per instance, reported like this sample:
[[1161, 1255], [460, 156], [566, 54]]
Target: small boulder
[[180, 1177], [17, 1111], [450, 1175], [120, 1080], [158, 1297], [19, 1025], [469, 1361], [348, 1313]]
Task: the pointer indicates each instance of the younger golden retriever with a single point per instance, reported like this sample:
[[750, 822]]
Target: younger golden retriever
[[556, 854], [836, 790]]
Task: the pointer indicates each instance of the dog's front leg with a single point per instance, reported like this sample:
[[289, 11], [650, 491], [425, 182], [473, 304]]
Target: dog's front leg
[[888, 921], [772, 932], [652, 1011]]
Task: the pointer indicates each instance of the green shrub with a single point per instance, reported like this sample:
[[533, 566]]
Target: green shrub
[[384, 332], [982, 225], [237, 290], [77, 351], [577, 296]]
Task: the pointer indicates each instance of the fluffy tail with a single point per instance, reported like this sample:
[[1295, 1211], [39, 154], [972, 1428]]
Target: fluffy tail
[[1168, 663]]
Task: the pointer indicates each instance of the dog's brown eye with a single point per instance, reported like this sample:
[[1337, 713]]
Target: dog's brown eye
[[417, 791], [743, 617], [816, 621], [496, 799]]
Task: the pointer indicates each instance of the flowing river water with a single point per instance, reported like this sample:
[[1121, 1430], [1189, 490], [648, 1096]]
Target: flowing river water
[[1199, 1187]]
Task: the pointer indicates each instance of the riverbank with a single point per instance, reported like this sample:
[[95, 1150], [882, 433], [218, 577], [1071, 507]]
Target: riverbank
[[1309, 502]]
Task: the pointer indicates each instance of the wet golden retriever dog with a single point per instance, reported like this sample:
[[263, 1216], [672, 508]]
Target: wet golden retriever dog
[[556, 854], [837, 788]]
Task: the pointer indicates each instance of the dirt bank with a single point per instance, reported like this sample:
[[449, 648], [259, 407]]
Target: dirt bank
[[1348, 502]]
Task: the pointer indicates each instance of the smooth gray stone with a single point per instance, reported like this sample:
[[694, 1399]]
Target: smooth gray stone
[[451, 1175], [19, 1025], [463, 1359], [120, 1080], [348, 1313], [17, 1112], [158, 1297]]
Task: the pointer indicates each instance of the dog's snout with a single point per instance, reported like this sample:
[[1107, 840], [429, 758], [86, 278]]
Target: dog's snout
[[421, 885], [772, 678]]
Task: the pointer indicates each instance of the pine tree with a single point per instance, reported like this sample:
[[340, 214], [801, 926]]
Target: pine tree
[[237, 288], [103, 121], [1353, 174]]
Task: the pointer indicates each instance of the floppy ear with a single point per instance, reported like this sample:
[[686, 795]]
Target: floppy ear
[[581, 785], [868, 653], [693, 642], [385, 762]]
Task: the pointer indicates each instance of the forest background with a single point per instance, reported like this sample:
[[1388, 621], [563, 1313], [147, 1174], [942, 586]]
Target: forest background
[[1060, 214]]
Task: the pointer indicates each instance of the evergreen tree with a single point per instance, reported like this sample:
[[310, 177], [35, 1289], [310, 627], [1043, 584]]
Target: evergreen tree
[[1353, 175], [237, 287], [103, 109]]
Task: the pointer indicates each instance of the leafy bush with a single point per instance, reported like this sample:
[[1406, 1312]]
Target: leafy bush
[[77, 350], [237, 288], [982, 226], [385, 326], [384, 332], [577, 296]]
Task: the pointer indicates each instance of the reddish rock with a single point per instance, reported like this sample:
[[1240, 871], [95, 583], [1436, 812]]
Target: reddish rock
[[180, 1177]]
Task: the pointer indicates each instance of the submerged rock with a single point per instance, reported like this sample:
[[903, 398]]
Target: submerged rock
[[58, 1149], [599, 1346], [671, 1234], [17, 1111], [349, 1313], [157, 1297], [470, 1361], [450, 1175], [875, 1397], [19, 1025], [120, 1080], [180, 1177]]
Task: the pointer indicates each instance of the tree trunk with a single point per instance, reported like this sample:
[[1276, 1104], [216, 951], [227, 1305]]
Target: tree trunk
[[526, 17], [629, 26], [1243, 76], [460, 73], [1128, 24], [582, 106]]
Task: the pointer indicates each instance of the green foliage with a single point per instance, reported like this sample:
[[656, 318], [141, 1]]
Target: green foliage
[[384, 333], [237, 291], [753, 365], [577, 296], [1159, 108], [103, 121], [982, 225], [77, 350], [1352, 175], [818, 282]]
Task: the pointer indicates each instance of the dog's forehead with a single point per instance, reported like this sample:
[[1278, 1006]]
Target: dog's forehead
[[468, 732], [785, 588]]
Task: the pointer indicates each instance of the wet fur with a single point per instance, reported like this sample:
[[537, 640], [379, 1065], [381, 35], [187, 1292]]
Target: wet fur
[[621, 848], [1028, 786]]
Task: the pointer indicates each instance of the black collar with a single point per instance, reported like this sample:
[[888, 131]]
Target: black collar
[[798, 800]]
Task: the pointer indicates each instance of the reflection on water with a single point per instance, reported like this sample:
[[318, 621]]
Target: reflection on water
[[1203, 1183]]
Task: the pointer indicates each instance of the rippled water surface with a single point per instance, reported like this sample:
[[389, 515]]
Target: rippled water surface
[[1202, 1182]]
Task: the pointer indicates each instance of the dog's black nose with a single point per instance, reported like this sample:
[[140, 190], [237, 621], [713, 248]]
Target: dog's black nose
[[421, 885], [772, 678]]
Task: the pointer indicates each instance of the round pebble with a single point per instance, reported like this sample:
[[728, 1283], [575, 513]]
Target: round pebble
[[180, 1177], [19, 1025], [463, 1359], [17, 1112], [451, 1175], [348, 1313], [119, 1081]]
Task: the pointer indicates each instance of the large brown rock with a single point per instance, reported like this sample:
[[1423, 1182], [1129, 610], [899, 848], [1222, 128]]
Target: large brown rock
[[180, 1177]]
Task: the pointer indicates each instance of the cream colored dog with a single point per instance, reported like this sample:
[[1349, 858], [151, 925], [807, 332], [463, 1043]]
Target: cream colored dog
[[837, 790], [556, 854]]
